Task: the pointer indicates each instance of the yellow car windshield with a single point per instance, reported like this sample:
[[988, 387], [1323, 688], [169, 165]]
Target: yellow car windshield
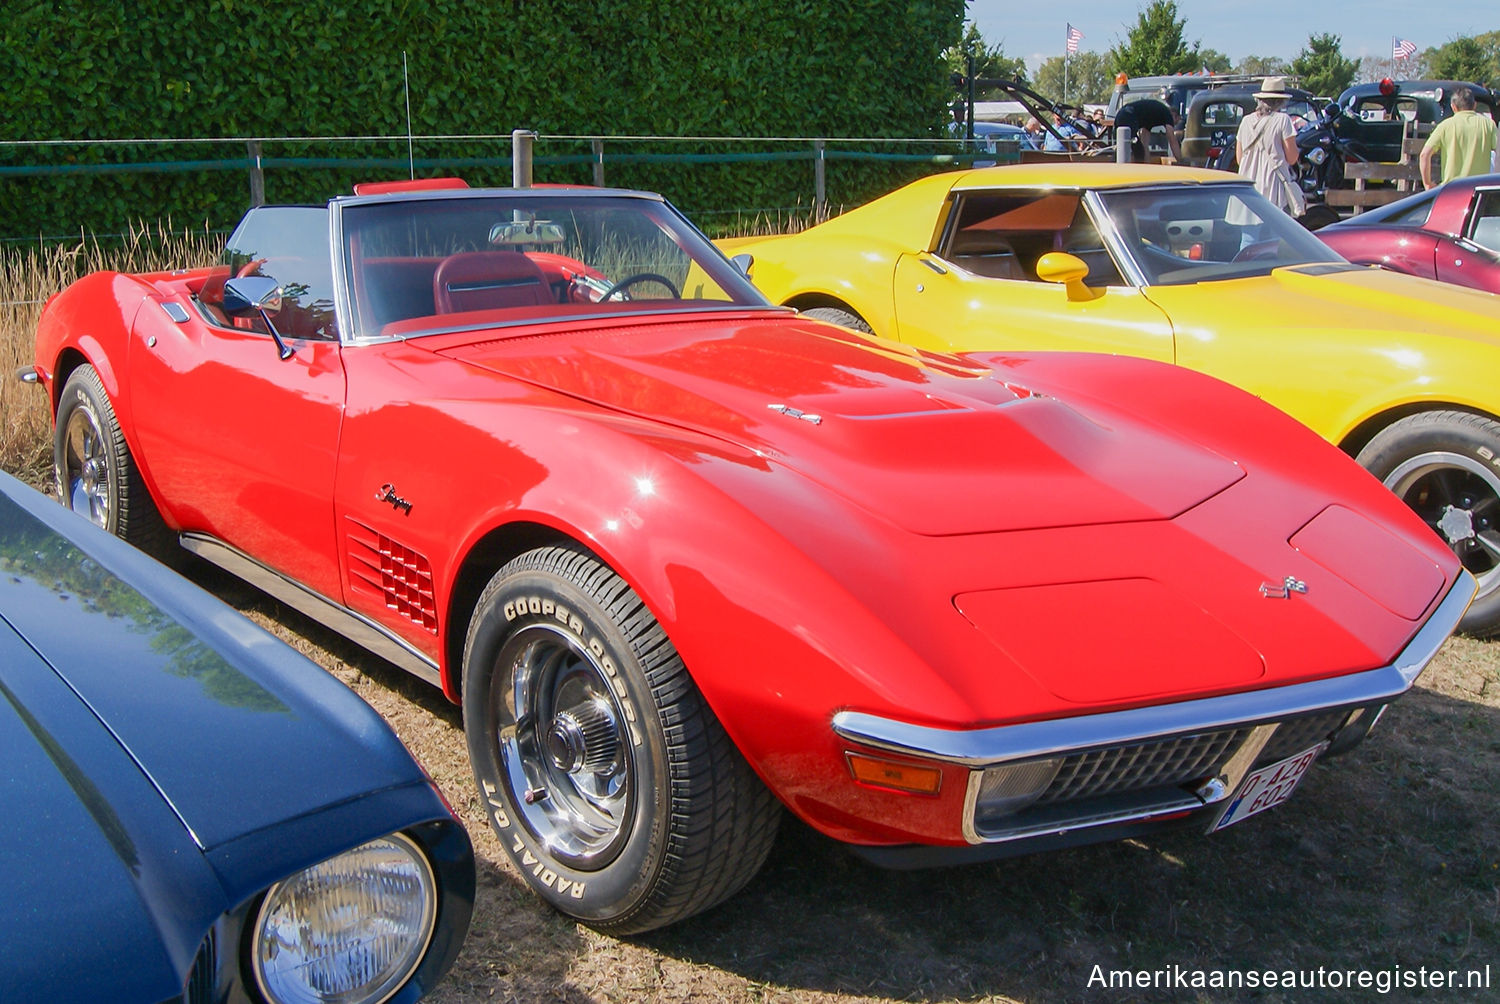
[[1197, 233]]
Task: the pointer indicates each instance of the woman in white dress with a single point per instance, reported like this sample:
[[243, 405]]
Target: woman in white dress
[[1266, 147]]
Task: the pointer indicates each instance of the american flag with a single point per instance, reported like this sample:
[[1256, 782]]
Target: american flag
[[1403, 48], [1075, 36]]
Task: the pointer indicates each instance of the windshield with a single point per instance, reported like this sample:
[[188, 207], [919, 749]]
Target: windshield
[[419, 266], [1197, 233]]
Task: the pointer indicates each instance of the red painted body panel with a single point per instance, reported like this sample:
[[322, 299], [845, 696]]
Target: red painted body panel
[[1434, 250], [925, 552]]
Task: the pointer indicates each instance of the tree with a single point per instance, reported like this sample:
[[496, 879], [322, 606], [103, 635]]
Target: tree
[[1471, 58], [1088, 79], [1155, 45], [1262, 66], [989, 61], [1214, 61], [1321, 65]]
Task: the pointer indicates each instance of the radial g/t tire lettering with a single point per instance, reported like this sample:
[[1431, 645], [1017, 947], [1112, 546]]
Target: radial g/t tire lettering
[[1446, 466], [612, 786]]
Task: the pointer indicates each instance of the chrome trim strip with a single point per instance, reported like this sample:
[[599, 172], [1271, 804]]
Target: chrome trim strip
[[356, 627], [1001, 744], [1054, 827], [175, 311]]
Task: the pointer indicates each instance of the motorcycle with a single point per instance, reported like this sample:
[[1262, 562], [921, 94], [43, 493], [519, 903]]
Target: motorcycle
[[1324, 146]]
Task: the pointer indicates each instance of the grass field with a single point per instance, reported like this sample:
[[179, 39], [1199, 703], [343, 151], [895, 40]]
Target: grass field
[[1388, 857]]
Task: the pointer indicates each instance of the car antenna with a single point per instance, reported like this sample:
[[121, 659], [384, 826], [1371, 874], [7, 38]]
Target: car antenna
[[411, 164]]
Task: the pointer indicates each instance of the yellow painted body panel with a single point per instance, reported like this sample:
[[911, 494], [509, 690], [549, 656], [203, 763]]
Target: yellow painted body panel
[[1332, 348]]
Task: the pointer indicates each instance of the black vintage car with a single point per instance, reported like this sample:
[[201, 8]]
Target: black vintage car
[[193, 811], [1375, 114], [1213, 118]]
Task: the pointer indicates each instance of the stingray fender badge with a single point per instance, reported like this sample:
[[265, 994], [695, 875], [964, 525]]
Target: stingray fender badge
[[1289, 585], [387, 493]]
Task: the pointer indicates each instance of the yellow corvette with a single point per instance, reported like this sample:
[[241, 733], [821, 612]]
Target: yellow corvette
[[1192, 267]]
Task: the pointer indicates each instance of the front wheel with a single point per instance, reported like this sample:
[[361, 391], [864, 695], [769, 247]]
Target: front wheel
[[1446, 466], [612, 786], [94, 472], [838, 315]]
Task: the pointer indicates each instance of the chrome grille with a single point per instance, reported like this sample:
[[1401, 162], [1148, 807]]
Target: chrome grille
[[1297, 734], [1144, 765]]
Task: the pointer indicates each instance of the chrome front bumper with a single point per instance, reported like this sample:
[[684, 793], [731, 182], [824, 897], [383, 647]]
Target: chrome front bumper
[[1156, 730]]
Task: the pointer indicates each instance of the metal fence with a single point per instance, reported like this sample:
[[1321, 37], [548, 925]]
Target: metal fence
[[604, 155]]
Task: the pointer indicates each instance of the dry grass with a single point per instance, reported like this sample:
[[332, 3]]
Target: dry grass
[[29, 275], [1387, 857]]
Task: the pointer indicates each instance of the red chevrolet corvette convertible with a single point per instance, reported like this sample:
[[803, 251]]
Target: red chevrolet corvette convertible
[[686, 558]]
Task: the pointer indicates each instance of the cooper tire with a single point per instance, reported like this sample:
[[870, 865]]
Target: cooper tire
[[1446, 466], [94, 472], [612, 786], [837, 315]]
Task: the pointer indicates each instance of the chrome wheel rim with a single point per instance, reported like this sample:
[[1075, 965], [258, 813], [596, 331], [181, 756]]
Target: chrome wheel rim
[[85, 467], [1460, 499], [563, 749]]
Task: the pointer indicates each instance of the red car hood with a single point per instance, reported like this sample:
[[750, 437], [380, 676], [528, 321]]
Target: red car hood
[[932, 445]]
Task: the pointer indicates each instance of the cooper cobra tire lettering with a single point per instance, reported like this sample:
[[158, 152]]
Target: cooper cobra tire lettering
[[615, 792], [532, 605]]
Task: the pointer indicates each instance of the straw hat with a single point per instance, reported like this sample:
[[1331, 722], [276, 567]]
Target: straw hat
[[1273, 87]]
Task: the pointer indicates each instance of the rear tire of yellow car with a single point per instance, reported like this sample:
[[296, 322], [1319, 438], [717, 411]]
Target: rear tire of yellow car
[[94, 472], [610, 783], [837, 315], [1446, 466]]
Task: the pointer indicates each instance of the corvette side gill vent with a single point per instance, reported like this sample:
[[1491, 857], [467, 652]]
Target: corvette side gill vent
[[399, 576]]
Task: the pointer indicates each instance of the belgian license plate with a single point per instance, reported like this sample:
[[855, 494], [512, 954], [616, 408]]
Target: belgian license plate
[[1269, 786]]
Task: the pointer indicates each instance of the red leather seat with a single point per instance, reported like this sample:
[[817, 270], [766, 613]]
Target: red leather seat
[[487, 280]]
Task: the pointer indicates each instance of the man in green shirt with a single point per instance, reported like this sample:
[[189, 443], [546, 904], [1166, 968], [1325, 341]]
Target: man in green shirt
[[1465, 140]]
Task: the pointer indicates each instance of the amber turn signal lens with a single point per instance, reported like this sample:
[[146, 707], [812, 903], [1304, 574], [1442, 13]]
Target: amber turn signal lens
[[894, 774]]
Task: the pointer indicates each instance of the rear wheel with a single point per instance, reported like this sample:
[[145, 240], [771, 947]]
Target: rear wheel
[[94, 472], [609, 781], [837, 315], [1446, 466]]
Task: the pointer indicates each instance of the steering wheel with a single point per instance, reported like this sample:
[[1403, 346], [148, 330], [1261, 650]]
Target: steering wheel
[[1257, 251], [631, 280]]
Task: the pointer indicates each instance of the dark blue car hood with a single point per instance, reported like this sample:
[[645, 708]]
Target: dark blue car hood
[[87, 848], [121, 840], [171, 671]]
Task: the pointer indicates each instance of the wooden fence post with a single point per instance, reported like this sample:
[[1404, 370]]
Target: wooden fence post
[[521, 143], [820, 182], [257, 176], [598, 144]]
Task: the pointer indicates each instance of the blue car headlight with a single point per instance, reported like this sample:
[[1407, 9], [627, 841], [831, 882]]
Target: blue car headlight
[[350, 930]]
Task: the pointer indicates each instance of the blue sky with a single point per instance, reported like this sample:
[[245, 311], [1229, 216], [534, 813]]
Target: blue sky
[[1238, 29]]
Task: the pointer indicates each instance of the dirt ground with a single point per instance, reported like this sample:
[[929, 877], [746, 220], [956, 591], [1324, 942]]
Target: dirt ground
[[1386, 861]]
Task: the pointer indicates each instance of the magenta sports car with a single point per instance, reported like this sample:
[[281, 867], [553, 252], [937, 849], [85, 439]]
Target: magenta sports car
[[1450, 233]]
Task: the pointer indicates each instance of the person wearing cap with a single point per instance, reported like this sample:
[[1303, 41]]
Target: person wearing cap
[[1465, 140], [1266, 147]]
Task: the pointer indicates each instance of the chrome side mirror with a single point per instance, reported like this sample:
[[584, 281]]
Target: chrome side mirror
[[249, 295]]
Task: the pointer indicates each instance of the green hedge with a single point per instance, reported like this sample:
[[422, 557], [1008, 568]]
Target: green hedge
[[231, 68]]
